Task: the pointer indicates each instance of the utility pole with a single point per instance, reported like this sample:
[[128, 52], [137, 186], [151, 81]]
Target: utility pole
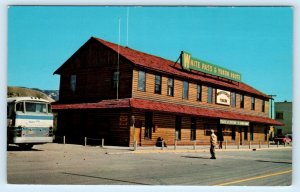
[[272, 104]]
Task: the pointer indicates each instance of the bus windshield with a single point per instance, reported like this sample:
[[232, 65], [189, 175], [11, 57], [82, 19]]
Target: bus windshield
[[36, 107]]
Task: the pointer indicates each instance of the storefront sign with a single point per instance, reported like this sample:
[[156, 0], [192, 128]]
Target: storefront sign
[[223, 97], [188, 63], [234, 122]]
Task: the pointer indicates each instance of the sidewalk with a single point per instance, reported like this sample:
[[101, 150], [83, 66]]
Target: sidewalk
[[193, 149]]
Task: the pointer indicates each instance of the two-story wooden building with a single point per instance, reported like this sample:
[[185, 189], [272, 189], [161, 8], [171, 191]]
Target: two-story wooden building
[[124, 95]]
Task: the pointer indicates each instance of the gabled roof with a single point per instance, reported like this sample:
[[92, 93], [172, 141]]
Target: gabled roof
[[167, 108], [155, 63], [161, 65]]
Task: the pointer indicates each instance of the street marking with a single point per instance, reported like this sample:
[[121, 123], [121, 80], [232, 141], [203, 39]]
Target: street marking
[[254, 178]]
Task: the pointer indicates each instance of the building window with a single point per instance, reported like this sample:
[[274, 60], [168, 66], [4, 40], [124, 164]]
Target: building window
[[252, 103], [170, 86], [185, 90], [279, 115], [193, 128], [20, 106], [148, 124], [142, 81], [157, 82], [241, 101], [199, 92], [262, 105], [178, 128], [209, 95], [115, 79], [251, 132], [233, 99], [73, 83]]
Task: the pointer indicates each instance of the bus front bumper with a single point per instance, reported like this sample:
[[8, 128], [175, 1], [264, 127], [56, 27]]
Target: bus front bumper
[[33, 140]]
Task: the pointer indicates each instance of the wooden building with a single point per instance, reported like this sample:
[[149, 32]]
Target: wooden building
[[124, 95]]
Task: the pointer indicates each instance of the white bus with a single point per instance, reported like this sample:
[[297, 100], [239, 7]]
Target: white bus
[[29, 121]]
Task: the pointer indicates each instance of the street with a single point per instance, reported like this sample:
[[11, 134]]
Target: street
[[75, 164]]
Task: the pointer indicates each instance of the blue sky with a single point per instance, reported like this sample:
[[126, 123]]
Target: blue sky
[[254, 41]]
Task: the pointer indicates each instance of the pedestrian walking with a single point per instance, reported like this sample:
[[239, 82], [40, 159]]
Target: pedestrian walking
[[213, 144]]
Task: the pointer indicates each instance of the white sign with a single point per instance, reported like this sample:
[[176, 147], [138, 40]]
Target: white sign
[[223, 97], [234, 122]]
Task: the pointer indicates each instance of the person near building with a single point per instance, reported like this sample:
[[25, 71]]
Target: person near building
[[213, 144]]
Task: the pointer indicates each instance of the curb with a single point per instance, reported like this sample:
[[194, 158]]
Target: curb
[[149, 151]]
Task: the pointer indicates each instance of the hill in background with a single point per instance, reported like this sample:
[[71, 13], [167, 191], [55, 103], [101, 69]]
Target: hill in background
[[27, 92]]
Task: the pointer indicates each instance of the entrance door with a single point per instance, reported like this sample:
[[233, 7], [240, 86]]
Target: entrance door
[[137, 135], [241, 135]]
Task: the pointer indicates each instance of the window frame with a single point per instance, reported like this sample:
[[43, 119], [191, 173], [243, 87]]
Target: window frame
[[115, 79], [185, 90], [233, 99], [199, 92], [73, 82], [210, 93], [170, 87], [263, 105], [252, 103], [242, 101], [141, 81], [157, 85], [279, 115]]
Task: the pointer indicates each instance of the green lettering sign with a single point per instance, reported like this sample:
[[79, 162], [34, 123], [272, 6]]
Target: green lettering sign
[[188, 63]]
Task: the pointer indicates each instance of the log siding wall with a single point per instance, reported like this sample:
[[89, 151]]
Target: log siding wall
[[149, 94], [94, 66]]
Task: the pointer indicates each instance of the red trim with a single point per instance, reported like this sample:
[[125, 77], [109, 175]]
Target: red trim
[[167, 108]]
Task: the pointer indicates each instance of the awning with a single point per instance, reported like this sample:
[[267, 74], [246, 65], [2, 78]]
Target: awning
[[167, 108]]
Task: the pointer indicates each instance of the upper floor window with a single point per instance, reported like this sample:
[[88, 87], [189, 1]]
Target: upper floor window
[[262, 105], [170, 86], [157, 82], [185, 90], [142, 81], [199, 92], [209, 95], [252, 103], [279, 115], [116, 79], [233, 99], [241, 101], [73, 83]]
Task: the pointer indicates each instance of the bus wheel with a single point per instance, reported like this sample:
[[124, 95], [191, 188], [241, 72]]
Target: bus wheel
[[26, 146]]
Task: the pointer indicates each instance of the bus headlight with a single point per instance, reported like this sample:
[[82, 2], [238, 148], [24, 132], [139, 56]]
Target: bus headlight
[[50, 131], [19, 131]]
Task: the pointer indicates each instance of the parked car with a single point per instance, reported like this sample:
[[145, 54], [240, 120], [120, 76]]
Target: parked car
[[282, 139], [289, 136]]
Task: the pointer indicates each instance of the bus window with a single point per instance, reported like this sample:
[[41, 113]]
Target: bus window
[[49, 108], [20, 107], [41, 108], [36, 107]]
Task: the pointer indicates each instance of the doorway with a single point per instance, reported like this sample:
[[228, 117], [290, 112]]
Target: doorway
[[241, 135]]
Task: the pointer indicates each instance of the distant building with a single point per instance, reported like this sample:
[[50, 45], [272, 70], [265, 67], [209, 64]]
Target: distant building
[[155, 98], [284, 114]]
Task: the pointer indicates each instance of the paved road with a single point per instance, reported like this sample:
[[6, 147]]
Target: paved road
[[74, 164]]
